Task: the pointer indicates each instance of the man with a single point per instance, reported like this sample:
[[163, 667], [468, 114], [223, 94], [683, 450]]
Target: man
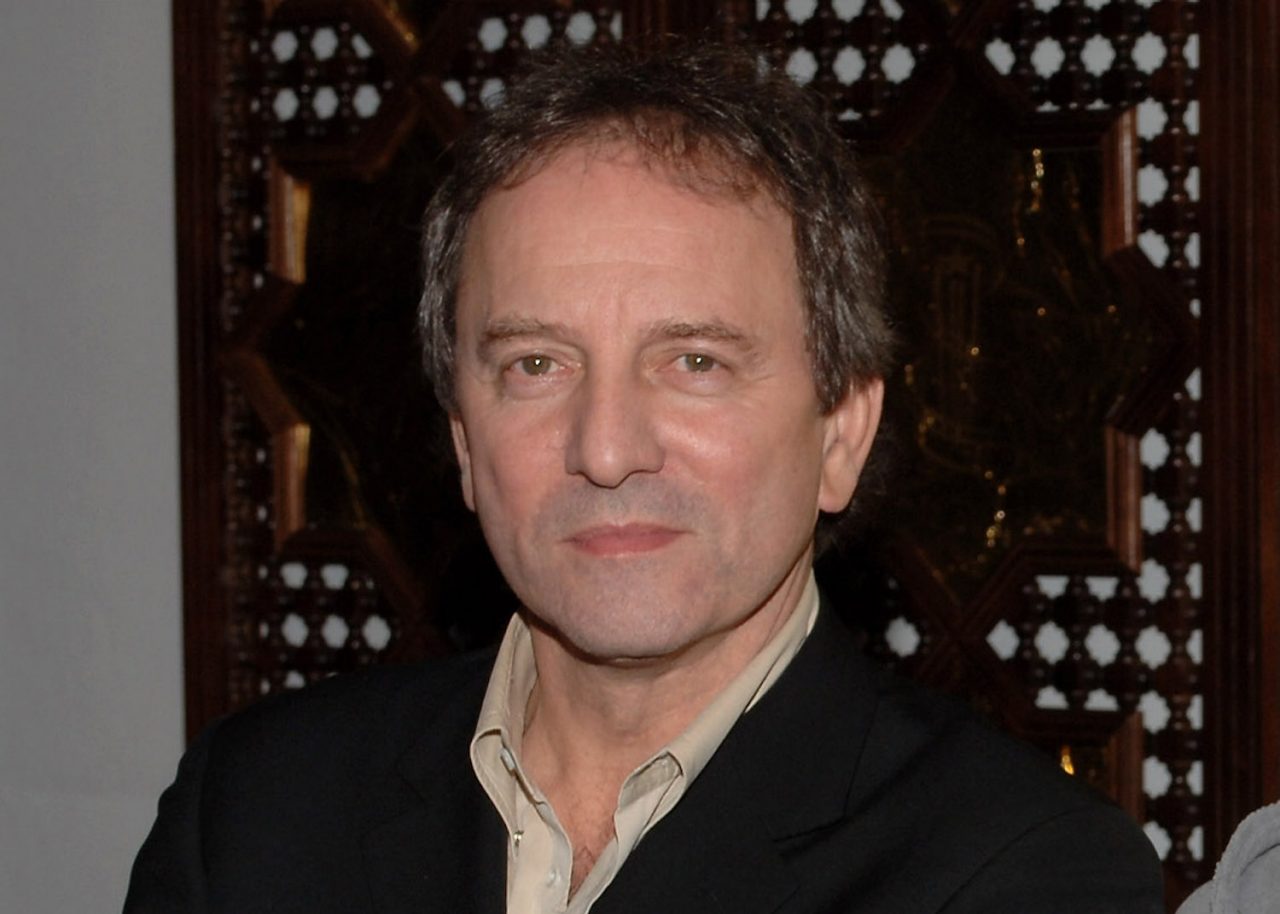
[[652, 310]]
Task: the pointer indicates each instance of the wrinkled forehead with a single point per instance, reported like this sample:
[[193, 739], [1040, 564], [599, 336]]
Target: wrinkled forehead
[[697, 175], [604, 185], [667, 146], [596, 234]]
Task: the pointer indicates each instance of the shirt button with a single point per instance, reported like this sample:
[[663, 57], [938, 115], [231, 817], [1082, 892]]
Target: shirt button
[[508, 760], [553, 877]]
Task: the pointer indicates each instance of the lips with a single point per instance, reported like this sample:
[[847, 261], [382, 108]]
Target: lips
[[623, 539]]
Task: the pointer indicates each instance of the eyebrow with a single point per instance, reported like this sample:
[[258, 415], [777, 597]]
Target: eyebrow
[[702, 330], [515, 328]]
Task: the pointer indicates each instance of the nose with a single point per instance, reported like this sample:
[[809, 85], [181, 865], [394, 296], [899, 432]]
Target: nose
[[612, 433]]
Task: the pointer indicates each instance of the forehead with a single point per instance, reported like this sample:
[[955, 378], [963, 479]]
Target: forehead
[[593, 205]]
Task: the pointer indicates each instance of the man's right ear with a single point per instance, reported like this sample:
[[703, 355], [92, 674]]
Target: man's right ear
[[463, 453]]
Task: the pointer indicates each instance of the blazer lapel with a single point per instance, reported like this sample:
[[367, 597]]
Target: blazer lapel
[[797, 752], [447, 850], [785, 770], [709, 855]]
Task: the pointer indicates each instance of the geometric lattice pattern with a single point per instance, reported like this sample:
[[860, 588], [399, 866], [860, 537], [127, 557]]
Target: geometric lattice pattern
[[477, 78], [1069, 55], [1130, 641], [342, 86], [320, 613], [1127, 641], [297, 620], [1058, 55], [859, 55]]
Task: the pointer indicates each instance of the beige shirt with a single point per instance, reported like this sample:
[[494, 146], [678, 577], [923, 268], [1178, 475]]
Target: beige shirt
[[539, 855]]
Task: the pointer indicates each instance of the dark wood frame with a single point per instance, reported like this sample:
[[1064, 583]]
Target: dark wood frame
[[1240, 231], [1241, 406], [196, 34]]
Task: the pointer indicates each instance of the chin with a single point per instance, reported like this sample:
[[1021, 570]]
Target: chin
[[645, 640], [624, 647]]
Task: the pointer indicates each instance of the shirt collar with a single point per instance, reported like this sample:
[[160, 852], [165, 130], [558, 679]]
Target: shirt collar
[[500, 726]]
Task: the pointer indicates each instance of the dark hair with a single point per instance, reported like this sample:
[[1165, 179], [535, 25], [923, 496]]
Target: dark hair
[[710, 116]]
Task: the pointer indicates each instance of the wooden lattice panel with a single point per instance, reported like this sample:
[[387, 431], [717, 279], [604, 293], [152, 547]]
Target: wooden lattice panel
[[1072, 55], [1085, 633], [320, 84], [863, 57], [503, 36]]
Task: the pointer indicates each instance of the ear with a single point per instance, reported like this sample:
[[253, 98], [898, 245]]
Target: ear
[[463, 453], [849, 430]]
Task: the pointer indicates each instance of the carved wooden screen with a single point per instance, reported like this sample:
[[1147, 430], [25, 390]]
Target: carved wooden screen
[[1038, 164], [1038, 170]]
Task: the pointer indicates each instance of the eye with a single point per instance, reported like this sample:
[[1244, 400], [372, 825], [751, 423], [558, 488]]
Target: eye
[[535, 365], [698, 362]]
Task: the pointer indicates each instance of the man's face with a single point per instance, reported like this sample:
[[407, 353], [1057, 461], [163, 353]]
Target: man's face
[[637, 424]]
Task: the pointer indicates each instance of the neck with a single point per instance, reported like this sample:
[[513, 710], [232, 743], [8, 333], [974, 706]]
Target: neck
[[593, 720]]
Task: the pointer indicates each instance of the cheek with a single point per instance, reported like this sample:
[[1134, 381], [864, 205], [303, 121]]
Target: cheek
[[511, 473], [753, 460]]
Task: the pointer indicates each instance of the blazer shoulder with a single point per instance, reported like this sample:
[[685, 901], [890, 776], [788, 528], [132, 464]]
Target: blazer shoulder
[[282, 793], [994, 817], [958, 758], [353, 725]]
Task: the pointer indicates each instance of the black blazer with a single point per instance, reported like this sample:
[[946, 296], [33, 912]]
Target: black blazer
[[844, 789]]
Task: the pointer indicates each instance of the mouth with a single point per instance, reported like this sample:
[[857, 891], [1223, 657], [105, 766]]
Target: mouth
[[623, 539]]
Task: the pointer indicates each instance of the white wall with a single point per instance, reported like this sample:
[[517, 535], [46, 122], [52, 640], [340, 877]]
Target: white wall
[[90, 668]]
